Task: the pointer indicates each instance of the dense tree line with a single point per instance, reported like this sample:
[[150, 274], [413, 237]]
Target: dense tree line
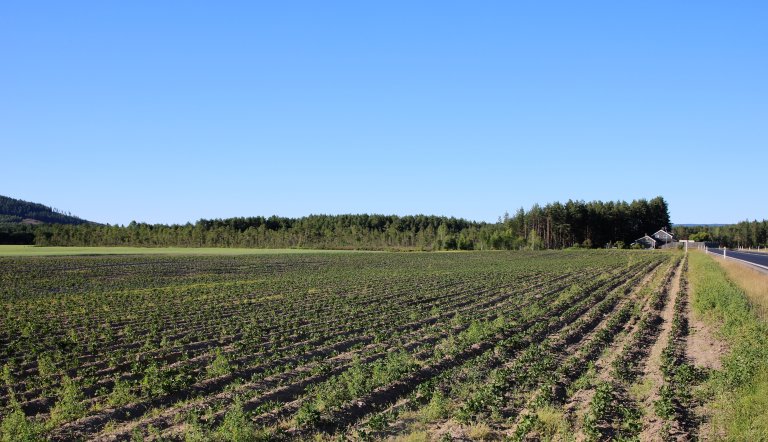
[[579, 223], [14, 233], [373, 232], [555, 225], [743, 234]]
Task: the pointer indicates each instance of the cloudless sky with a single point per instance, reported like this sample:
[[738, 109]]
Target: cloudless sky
[[174, 111]]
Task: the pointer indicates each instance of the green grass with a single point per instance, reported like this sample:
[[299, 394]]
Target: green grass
[[70, 251], [739, 392]]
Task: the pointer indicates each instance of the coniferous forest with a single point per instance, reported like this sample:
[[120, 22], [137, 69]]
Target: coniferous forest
[[555, 225], [552, 226]]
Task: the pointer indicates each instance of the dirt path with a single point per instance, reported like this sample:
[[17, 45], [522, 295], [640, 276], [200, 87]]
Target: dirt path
[[653, 426], [704, 349]]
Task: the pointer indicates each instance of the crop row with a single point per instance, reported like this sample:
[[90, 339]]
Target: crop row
[[424, 339], [676, 402], [610, 413], [529, 368], [116, 346]]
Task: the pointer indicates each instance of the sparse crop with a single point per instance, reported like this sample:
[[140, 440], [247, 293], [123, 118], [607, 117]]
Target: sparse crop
[[288, 346]]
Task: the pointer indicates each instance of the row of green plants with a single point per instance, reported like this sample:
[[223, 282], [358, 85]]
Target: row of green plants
[[626, 366], [475, 395], [610, 414], [246, 371], [676, 400], [51, 360], [482, 333], [454, 347], [129, 334]]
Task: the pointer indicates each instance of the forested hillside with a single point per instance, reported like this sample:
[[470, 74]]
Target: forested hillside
[[555, 225], [19, 211], [18, 219]]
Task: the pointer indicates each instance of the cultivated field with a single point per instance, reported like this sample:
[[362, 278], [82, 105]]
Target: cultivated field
[[418, 345]]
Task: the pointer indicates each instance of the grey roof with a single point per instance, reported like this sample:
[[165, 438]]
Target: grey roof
[[647, 238]]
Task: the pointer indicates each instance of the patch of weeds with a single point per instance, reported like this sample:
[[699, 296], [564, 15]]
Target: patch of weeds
[[69, 405]]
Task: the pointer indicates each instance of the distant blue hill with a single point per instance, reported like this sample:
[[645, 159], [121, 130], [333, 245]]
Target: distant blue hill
[[701, 225]]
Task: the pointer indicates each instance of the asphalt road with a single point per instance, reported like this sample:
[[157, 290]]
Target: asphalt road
[[759, 259]]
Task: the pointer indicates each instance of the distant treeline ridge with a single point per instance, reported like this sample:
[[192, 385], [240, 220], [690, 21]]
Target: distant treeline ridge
[[555, 225], [744, 234]]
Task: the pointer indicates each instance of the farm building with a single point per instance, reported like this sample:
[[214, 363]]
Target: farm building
[[663, 237], [646, 242], [658, 239]]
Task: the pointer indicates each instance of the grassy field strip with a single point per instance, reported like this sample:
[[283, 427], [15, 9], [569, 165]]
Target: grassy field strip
[[735, 396], [752, 282], [11, 250]]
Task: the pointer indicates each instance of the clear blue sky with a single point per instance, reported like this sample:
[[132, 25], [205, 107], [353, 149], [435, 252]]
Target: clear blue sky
[[174, 111]]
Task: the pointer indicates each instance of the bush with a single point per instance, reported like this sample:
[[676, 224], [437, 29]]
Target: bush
[[16, 427], [220, 365], [121, 394], [236, 426], [69, 405]]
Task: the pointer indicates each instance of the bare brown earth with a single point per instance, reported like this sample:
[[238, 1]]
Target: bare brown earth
[[704, 348]]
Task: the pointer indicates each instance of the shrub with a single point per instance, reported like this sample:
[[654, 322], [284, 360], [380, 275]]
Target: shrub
[[16, 427], [69, 405]]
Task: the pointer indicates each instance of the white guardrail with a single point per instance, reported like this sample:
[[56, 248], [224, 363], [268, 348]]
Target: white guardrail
[[724, 255]]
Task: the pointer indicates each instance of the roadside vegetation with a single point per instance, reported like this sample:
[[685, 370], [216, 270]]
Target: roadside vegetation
[[754, 284], [734, 300]]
